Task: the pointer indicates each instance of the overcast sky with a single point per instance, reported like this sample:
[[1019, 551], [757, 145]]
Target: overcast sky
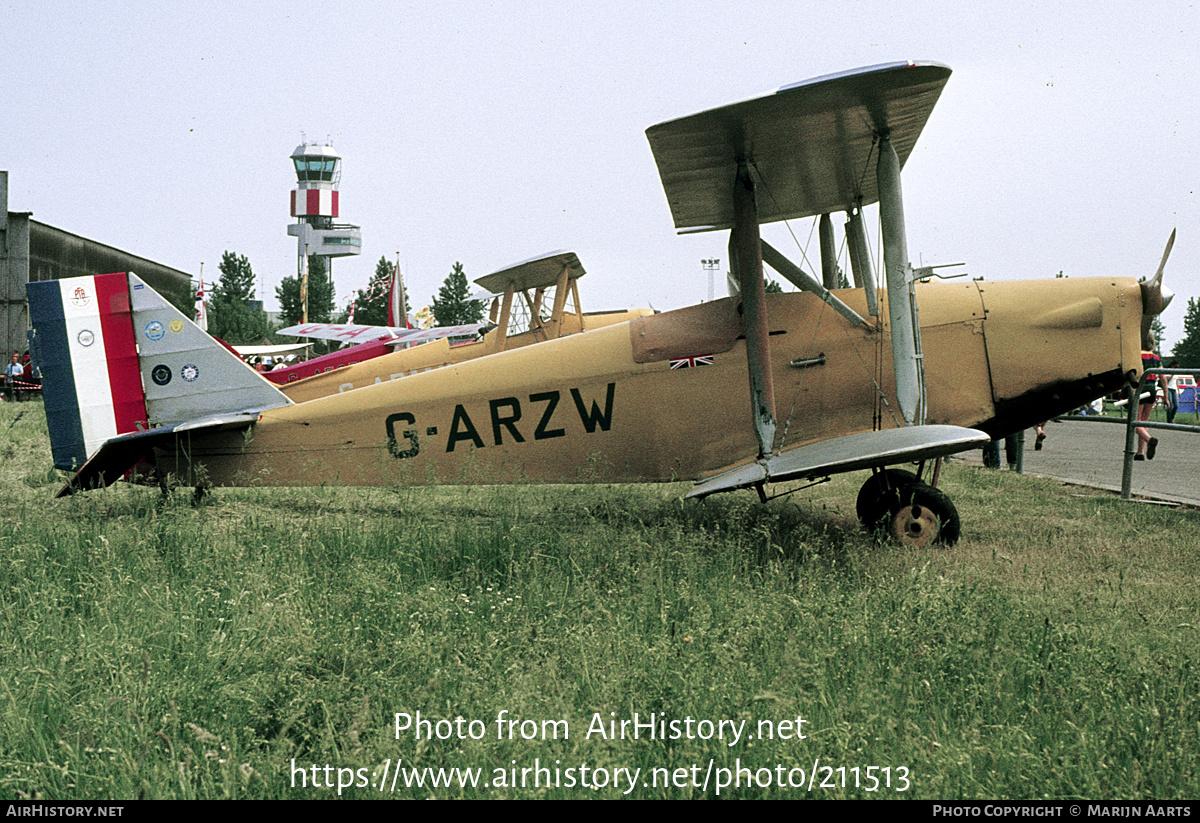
[[488, 133]]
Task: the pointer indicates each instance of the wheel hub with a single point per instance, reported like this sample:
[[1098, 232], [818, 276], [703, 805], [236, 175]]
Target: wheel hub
[[915, 526]]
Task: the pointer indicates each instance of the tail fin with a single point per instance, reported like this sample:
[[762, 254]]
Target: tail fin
[[117, 358]]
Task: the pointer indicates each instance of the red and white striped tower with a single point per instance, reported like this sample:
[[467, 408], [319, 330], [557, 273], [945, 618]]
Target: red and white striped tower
[[315, 206]]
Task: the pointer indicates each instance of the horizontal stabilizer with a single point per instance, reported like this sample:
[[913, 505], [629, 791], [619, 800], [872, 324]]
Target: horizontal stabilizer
[[539, 272], [119, 454], [852, 452], [807, 145], [351, 333]]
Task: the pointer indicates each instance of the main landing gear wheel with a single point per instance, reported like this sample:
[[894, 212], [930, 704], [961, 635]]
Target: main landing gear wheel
[[869, 506], [914, 514]]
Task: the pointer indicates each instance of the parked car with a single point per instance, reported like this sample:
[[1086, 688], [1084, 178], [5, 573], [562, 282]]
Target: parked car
[[1186, 387]]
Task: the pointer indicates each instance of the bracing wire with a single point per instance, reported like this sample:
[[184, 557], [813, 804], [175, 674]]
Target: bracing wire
[[874, 374]]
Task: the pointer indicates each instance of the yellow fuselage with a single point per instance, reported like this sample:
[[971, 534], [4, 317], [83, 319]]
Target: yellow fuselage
[[440, 353], [612, 406]]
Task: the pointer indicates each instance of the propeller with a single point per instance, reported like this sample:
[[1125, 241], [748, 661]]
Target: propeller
[[1155, 297]]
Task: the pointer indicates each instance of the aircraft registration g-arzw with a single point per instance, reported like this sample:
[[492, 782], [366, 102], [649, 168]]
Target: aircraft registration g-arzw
[[748, 391]]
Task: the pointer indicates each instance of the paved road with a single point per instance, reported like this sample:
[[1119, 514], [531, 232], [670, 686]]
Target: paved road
[[1092, 454]]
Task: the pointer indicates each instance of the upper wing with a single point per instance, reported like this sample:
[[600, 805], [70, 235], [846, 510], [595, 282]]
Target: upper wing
[[807, 145], [539, 272], [351, 333], [269, 351]]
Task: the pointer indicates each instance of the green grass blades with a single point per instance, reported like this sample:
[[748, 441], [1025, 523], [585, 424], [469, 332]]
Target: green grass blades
[[588, 641]]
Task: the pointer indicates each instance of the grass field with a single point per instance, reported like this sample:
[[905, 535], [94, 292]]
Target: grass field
[[263, 641]]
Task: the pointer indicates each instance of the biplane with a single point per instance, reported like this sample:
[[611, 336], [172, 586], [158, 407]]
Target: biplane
[[366, 343], [746, 392], [529, 303]]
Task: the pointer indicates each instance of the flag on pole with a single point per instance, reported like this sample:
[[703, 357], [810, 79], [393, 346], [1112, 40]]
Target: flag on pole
[[395, 307], [201, 309]]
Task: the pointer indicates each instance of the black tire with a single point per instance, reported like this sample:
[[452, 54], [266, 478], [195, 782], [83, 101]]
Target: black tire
[[918, 516], [870, 505]]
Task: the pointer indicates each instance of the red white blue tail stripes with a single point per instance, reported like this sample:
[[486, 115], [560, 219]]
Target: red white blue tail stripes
[[89, 361], [122, 369]]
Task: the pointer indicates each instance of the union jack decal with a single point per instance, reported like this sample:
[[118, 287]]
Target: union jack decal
[[692, 362]]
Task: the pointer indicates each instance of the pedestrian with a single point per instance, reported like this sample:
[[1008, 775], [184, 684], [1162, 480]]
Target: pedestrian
[[1172, 397], [991, 452], [1147, 397], [12, 374]]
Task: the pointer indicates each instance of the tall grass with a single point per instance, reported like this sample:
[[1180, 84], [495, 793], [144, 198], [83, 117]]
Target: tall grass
[[153, 647]]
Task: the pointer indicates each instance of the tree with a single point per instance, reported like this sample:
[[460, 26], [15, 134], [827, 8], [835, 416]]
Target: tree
[[453, 306], [291, 306], [1187, 350], [320, 296], [184, 299], [231, 315], [237, 279], [320, 302], [370, 304], [321, 299]]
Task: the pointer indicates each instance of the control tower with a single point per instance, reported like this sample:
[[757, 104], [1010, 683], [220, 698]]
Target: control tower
[[315, 206]]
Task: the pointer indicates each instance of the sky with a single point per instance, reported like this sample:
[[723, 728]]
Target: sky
[[488, 133]]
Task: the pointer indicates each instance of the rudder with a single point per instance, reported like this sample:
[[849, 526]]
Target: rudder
[[88, 357]]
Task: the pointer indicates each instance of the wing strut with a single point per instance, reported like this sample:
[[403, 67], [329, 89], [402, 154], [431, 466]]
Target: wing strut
[[902, 305], [505, 314], [828, 257], [578, 305], [745, 255], [806, 282], [860, 260], [560, 299]]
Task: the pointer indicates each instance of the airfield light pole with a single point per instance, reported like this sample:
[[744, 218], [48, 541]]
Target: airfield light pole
[[315, 205], [711, 265]]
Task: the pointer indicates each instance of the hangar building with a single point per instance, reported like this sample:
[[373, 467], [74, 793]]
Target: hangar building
[[32, 251]]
